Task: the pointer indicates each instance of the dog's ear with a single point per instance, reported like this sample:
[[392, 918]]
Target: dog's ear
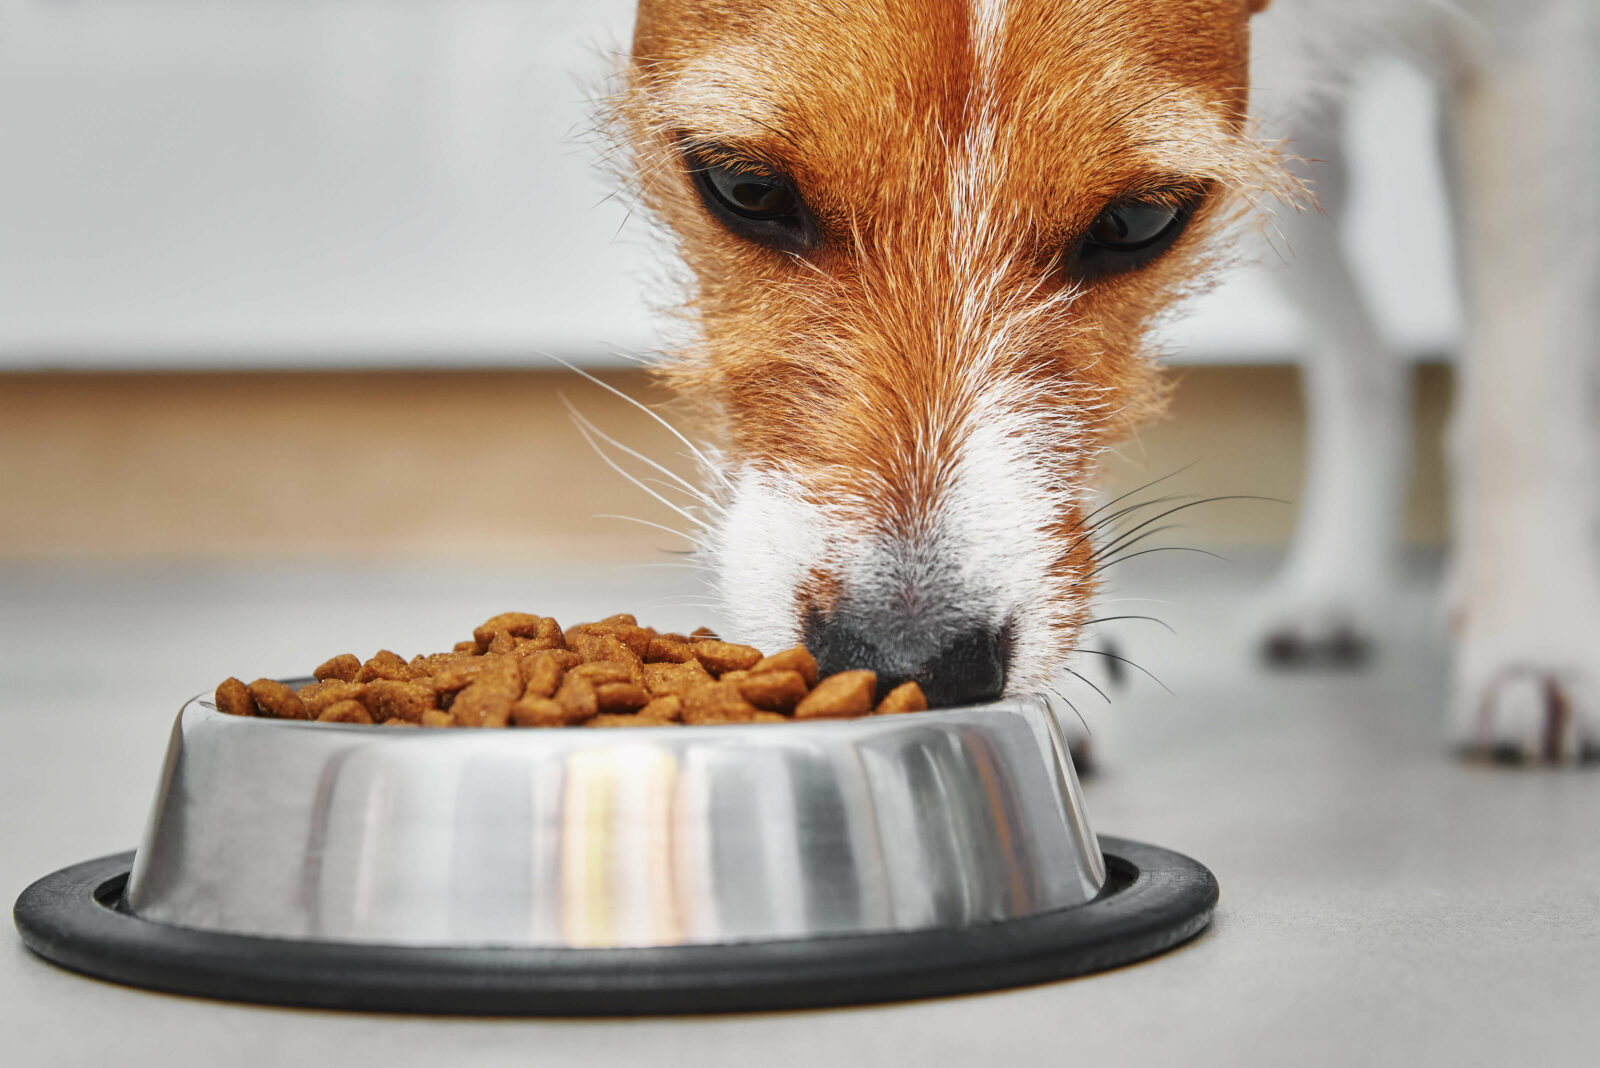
[[1258, 6]]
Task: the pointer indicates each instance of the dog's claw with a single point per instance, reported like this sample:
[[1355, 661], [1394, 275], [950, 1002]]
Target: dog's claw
[[1309, 627], [1528, 696], [1343, 646], [1529, 716]]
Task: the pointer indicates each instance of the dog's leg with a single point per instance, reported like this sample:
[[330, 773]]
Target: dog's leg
[[1324, 605], [1527, 588]]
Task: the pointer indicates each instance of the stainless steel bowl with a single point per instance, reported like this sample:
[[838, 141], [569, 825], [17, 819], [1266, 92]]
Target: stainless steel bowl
[[635, 837]]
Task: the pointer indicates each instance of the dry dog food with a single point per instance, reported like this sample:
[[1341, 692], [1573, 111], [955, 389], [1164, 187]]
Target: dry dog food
[[522, 670]]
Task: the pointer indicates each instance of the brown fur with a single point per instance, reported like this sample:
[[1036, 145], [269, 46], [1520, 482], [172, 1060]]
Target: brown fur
[[860, 362]]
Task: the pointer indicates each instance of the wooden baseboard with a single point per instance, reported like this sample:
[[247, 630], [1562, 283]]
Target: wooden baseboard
[[488, 465]]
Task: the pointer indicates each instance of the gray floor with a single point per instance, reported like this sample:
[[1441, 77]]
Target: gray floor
[[1382, 903]]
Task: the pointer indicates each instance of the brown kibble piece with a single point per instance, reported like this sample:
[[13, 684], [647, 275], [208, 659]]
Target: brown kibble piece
[[719, 703], [344, 667], [459, 675], [601, 671], [675, 678], [525, 669], [668, 649], [667, 709], [849, 693], [577, 698], [233, 697], [542, 671], [635, 638], [616, 697], [906, 697], [387, 699], [567, 658], [600, 647], [423, 668], [273, 698], [319, 696], [797, 659], [719, 657], [515, 624], [773, 691], [383, 665], [540, 712], [346, 712], [547, 636], [487, 700]]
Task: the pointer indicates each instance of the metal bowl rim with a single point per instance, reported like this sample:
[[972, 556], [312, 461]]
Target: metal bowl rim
[[202, 706]]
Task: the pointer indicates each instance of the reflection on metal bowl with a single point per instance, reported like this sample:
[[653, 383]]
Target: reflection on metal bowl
[[626, 837]]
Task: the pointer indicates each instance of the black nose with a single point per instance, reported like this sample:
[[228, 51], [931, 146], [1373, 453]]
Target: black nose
[[967, 667]]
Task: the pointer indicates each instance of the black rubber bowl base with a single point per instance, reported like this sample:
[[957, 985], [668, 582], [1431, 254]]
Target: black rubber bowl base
[[1154, 899]]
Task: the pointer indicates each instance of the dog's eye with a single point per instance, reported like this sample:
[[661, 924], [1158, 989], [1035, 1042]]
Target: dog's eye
[[1127, 235], [754, 196], [756, 203], [1132, 226]]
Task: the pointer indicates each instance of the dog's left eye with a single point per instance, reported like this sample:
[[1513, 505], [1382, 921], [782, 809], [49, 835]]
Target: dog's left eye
[[753, 196], [756, 203], [1127, 235]]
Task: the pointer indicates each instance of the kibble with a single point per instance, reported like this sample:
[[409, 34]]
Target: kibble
[[525, 670]]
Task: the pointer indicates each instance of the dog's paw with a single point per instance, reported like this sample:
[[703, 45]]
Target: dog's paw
[[1526, 691], [1308, 630]]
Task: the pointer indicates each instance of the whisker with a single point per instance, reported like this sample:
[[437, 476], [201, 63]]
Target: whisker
[[1157, 549], [715, 471], [1086, 682], [1180, 508], [1130, 509], [703, 567], [1130, 663], [578, 417], [663, 484], [1152, 619], [648, 523], [1098, 524], [1121, 545], [619, 469], [1138, 489], [1068, 702]]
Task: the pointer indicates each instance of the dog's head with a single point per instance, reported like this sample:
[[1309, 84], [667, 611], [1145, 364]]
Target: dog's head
[[927, 239]]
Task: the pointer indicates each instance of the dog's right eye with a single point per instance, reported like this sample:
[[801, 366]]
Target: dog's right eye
[[755, 203]]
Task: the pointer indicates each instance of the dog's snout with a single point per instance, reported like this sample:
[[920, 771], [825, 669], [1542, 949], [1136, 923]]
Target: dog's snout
[[968, 667]]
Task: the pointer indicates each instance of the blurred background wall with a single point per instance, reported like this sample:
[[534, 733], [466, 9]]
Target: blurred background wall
[[276, 277]]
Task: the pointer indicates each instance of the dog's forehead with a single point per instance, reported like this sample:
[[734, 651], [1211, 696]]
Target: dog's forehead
[[861, 95]]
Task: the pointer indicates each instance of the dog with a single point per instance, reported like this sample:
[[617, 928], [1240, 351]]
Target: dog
[[926, 243]]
